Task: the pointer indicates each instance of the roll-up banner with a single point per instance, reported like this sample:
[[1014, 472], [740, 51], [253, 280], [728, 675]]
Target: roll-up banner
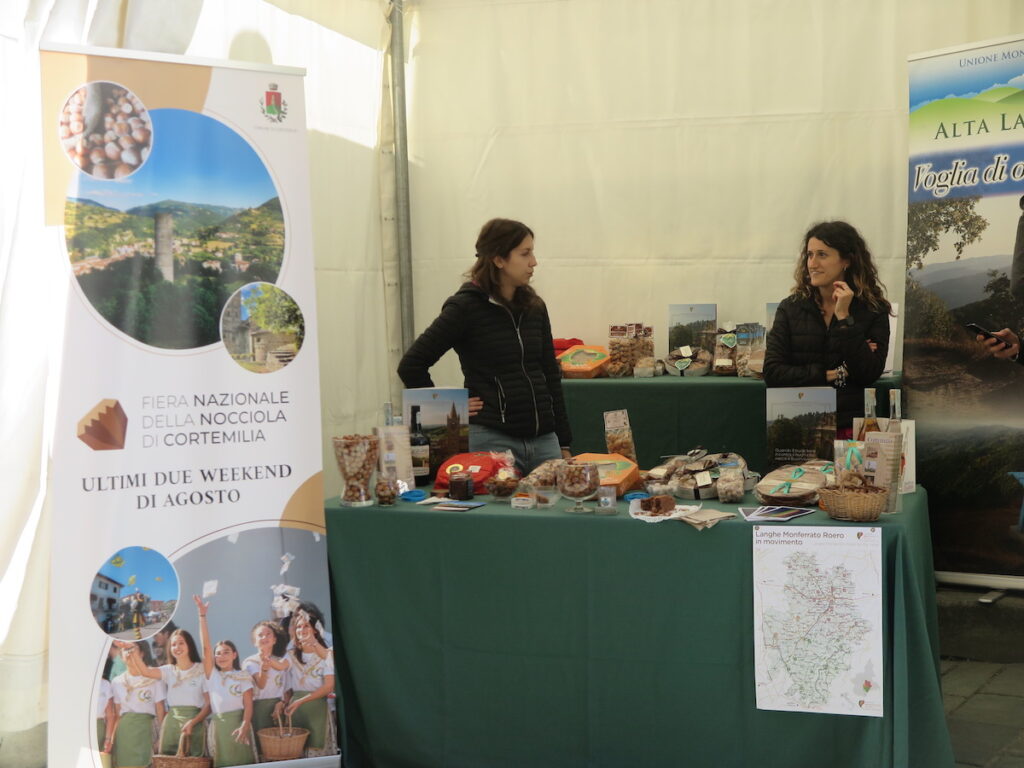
[[965, 264], [189, 582]]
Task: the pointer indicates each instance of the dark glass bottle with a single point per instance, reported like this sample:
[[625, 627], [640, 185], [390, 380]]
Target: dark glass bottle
[[419, 445]]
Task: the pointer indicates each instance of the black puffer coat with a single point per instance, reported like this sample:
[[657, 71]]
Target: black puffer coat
[[801, 349], [508, 361]]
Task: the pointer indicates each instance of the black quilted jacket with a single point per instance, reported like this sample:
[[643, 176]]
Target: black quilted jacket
[[508, 360], [800, 350]]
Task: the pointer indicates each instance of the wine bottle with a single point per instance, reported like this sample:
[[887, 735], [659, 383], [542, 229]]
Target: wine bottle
[[870, 420], [419, 445]]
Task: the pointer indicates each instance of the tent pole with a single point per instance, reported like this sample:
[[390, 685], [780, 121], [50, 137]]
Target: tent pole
[[403, 227]]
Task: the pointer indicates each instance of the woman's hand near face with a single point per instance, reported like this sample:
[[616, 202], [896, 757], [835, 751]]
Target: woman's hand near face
[[476, 404], [842, 295]]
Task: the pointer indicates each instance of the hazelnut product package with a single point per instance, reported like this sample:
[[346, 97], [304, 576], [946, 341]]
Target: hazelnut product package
[[627, 343], [615, 469], [751, 339], [725, 354], [582, 361], [618, 436], [503, 483]]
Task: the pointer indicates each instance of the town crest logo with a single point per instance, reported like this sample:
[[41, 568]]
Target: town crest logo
[[273, 107]]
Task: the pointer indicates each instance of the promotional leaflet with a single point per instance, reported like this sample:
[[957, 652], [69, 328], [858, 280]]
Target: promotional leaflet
[[187, 461]]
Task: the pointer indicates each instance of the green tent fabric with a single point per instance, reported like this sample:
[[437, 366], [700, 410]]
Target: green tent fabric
[[672, 414]]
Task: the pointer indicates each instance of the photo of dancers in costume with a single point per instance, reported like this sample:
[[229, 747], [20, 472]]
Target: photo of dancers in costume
[[191, 686]]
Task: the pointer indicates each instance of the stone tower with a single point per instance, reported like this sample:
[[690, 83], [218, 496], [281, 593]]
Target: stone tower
[[163, 227]]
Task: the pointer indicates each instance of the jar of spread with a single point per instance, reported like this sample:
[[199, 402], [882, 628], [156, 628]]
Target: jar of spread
[[460, 486]]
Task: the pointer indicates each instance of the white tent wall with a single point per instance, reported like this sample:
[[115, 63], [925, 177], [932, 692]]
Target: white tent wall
[[663, 151], [341, 45]]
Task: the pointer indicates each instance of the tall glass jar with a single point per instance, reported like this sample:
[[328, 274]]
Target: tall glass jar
[[357, 458]]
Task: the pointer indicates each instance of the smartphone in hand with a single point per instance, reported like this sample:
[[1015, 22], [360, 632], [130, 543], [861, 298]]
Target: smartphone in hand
[[974, 327]]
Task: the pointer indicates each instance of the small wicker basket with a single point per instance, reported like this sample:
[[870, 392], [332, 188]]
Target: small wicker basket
[[182, 759], [282, 743], [861, 503]]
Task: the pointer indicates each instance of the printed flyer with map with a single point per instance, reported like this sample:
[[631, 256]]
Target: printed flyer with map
[[818, 619]]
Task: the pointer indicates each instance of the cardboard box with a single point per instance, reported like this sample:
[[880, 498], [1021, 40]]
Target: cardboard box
[[583, 361], [616, 470]]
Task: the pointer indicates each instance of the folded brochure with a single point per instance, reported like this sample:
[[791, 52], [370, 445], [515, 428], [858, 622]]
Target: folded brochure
[[773, 514]]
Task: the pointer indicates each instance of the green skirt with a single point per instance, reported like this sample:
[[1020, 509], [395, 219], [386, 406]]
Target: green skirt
[[170, 732], [263, 713], [313, 716], [101, 732], [133, 742], [227, 751]]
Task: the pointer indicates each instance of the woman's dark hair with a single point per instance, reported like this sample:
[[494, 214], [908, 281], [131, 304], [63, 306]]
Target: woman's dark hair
[[280, 636], [316, 616], [499, 237], [190, 643], [107, 666], [235, 664], [861, 274]]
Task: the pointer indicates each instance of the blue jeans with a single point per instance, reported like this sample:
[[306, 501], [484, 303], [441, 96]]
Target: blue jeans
[[528, 451]]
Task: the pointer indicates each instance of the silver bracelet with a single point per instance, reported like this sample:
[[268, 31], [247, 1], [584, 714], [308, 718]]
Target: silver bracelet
[[841, 374]]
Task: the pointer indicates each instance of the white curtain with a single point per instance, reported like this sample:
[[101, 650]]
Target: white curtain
[[341, 45]]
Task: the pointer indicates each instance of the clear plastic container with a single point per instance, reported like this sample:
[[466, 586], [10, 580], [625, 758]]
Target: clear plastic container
[[357, 458]]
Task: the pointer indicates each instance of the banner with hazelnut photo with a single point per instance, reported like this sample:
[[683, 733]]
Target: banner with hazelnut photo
[[189, 601]]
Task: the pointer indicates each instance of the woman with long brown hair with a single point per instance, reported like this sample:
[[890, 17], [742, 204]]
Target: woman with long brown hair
[[499, 327], [833, 328]]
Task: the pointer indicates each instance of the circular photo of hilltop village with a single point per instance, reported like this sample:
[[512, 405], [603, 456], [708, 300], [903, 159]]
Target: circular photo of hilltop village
[[262, 328], [158, 253]]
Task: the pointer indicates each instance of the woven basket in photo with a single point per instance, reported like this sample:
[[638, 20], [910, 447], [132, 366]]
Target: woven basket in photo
[[282, 743], [860, 502], [182, 759]]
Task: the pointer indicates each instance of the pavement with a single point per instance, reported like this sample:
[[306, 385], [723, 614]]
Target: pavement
[[982, 649], [984, 705]]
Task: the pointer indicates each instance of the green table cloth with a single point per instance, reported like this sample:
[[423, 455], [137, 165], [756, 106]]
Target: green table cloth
[[500, 637], [672, 414]]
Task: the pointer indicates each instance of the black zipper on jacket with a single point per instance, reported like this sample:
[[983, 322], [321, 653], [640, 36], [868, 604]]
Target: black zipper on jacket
[[522, 364]]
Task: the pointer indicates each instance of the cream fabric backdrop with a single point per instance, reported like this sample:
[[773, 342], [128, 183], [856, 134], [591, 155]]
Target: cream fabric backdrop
[[663, 150], [341, 44]]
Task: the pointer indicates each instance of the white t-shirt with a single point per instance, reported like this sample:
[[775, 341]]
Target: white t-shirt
[[277, 679], [310, 674], [101, 701], [185, 688], [137, 694], [227, 689]]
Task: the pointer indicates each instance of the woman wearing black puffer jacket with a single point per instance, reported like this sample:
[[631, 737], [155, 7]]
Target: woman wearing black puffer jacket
[[499, 328], [834, 327]]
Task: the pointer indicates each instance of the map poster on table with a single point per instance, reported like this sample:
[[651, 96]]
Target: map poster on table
[[818, 619], [187, 470]]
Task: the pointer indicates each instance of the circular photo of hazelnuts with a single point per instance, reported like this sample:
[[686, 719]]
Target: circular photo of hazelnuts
[[106, 130]]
